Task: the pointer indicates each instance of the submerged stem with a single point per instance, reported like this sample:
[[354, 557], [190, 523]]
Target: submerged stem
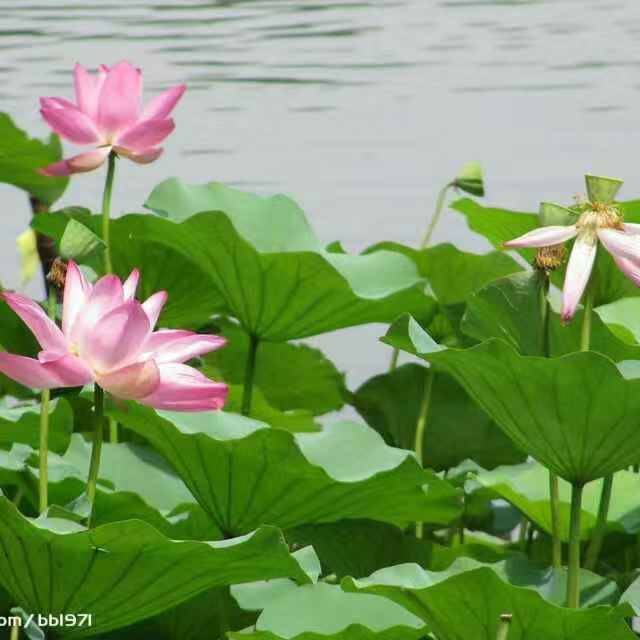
[[106, 211], [573, 577], [96, 449], [593, 550], [249, 374], [45, 397], [420, 428], [423, 245]]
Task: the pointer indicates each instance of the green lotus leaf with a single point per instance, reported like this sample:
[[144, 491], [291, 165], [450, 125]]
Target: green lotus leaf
[[326, 611], [526, 486], [469, 605], [500, 225], [587, 425], [134, 483], [269, 267], [457, 429], [291, 377], [510, 309], [243, 472], [192, 299], [452, 275], [623, 318], [16, 338], [79, 242], [296, 420], [357, 548], [515, 570], [200, 618], [21, 424], [125, 571], [21, 157]]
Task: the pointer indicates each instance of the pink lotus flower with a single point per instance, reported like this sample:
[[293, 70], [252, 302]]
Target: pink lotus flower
[[600, 222], [107, 337], [108, 114]]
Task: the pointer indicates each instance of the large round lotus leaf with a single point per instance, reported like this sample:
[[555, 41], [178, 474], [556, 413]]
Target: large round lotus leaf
[[469, 605], [290, 376], [125, 571], [21, 157], [526, 486], [245, 474], [516, 570], [456, 429], [270, 268], [21, 424], [134, 482], [325, 611], [576, 414], [509, 309], [191, 300], [500, 225]]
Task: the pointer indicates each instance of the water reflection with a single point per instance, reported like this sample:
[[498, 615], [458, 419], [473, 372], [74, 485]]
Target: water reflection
[[360, 110]]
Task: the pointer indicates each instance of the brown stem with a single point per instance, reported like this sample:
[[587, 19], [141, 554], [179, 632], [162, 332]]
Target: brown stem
[[46, 245]]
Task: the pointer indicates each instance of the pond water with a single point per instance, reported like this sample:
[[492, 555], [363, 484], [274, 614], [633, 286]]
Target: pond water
[[359, 110]]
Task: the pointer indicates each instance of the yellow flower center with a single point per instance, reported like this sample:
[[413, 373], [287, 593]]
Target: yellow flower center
[[598, 216]]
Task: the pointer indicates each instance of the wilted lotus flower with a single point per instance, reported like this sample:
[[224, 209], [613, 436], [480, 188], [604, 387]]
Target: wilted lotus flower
[[108, 113], [107, 337], [600, 221]]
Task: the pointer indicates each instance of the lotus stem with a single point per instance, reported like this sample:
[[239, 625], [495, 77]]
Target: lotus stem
[[15, 631], [43, 480], [436, 216], [249, 374], [522, 533], [96, 449], [423, 245], [503, 626], [595, 545], [573, 577], [106, 211], [17, 498], [106, 237], [593, 551], [585, 335], [556, 541], [420, 428]]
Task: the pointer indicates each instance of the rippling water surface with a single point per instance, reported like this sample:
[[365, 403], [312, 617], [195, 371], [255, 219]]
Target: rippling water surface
[[359, 110]]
